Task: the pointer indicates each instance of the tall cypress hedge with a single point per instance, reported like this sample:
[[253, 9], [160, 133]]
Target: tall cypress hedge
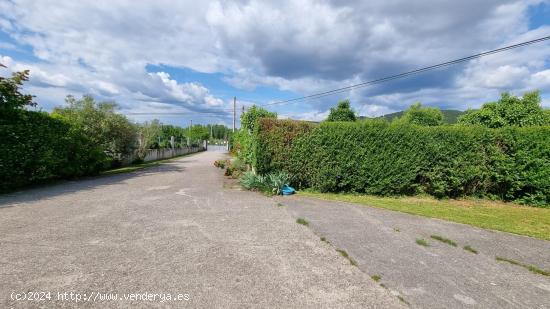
[[36, 147], [271, 141], [378, 158]]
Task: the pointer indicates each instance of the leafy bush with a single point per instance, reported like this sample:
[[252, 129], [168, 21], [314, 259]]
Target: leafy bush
[[509, 111], [37, 147], [374, 157], [271, 183], [111, 132], [10, 91], [276, 182], [242, 141], [342, 112], [251, 181], [219, 163], [423, 116], [272, 140]]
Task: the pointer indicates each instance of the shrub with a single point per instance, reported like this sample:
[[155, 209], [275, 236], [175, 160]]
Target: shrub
[[277, 180], [37, 147], [423, 116], [272, 143], [509, 111], [342, 112], [242, 141], [219, 164], [395, 159], [271, 183]]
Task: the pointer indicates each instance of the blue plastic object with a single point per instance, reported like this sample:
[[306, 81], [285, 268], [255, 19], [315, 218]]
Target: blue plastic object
[[288, 190]]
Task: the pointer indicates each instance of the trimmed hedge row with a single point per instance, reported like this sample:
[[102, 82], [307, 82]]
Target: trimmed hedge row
[[378, 158], [271, 141], [36, 147]]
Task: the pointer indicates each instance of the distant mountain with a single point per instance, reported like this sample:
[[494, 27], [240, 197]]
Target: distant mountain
[[451, 115]]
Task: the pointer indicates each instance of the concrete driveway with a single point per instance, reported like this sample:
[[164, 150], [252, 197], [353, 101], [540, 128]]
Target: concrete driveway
[[440, 275], [169, 236]]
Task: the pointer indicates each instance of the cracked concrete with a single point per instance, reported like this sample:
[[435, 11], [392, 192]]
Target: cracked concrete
[[382, 242], [173, 229]]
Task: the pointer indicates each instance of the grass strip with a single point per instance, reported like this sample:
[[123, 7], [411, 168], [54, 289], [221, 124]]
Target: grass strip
[[493, 215], [531, 268], [444, 240]]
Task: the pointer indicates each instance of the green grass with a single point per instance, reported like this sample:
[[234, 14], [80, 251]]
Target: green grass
[[444, 240], [531, 268], [324, 239], [402, 299], [376, 278], [500, 216], [469, 248], [346, 255], [422, 242], [302, 221]]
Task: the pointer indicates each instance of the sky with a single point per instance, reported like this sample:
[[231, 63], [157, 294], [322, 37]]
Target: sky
[[191, 58]]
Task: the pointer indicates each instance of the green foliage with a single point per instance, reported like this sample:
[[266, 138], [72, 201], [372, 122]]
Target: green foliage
[[342, 112], [148, 134], [249, 118], [243, 143], [109, 131], [450, 116], [272, 141], [374, 157], [198, 132], [243, 146], [219, 131], [509, 111], [10, 91], [251, 181], [420, 115], [36, 147], [277, 181], [271, 183]]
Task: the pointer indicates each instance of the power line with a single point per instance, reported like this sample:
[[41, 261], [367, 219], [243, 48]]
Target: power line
[[405, 74], [176, 113]]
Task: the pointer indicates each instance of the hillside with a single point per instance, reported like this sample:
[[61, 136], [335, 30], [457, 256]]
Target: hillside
[[451, 115]]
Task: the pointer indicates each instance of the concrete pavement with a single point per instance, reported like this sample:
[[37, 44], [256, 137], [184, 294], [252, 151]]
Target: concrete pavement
[[173, 230], [384, 244]]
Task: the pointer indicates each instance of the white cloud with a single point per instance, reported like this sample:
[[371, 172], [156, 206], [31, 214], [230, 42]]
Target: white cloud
[[304, 46]]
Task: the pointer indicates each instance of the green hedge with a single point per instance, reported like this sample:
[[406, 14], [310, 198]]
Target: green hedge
[[378, 158], [271, 140], [35, 147]]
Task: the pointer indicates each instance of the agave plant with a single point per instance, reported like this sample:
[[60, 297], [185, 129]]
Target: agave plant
[[277, 181]]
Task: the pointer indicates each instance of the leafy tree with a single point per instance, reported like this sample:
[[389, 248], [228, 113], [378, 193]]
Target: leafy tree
[[148, 134], [10, 91], [421, 115], [342, 112], [198, 132], [219, 131], [106, 129], [509, 111], [249, 118]]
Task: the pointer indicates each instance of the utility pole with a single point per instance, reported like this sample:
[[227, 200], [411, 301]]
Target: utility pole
[[189, 137], [234, 112]]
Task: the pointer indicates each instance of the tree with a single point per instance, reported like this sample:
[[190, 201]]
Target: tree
[[342, 112], [509, 111], [148, 134], [420, 115], [10, 91], [112, 132], [249, 118]]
